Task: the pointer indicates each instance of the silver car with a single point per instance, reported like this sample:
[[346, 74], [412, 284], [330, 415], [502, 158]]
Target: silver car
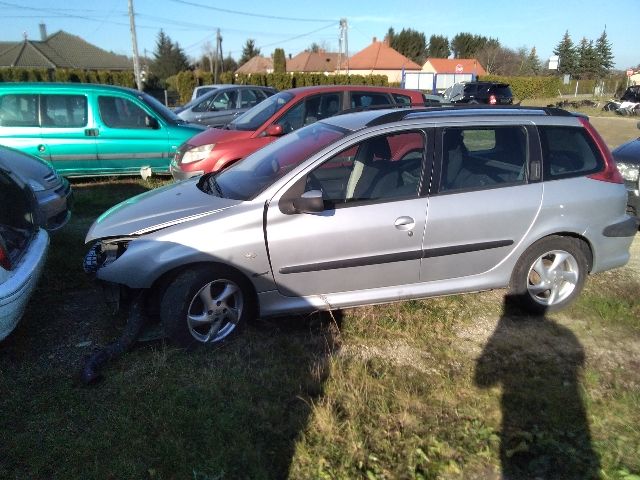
[[53, 192], [374, 207]]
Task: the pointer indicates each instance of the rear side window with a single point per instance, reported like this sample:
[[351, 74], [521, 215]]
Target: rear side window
[[367, 99], [568, 152], [402, 99], [19, 110], [488, 157], [64, 111]]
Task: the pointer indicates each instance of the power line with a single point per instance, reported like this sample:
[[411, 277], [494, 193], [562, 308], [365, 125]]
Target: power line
[[248, 14]]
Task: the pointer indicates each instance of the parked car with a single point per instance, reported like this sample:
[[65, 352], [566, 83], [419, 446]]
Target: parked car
[[201, 90], [490, 93], [373, 207], [85, 129], [53, 192], [23, 248], [627, 157], [216, 149], [223, 103]]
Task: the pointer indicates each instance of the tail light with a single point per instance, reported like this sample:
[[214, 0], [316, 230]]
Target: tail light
[[492, 100], [5, 261], [610, 172]]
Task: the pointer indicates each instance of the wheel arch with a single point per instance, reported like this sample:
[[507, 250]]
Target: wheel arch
[[160, 284]]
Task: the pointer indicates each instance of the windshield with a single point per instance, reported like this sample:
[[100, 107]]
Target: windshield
[[159, 108], [249, 177], [253, 118]]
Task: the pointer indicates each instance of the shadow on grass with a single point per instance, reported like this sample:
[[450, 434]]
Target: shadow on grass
[[545, 432]]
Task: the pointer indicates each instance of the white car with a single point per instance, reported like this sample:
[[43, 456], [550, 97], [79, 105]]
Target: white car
[[23, 249]]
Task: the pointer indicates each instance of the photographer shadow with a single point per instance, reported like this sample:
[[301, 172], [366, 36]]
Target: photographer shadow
[[544, 432]]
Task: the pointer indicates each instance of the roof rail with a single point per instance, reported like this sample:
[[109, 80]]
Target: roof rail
[[461, 108]]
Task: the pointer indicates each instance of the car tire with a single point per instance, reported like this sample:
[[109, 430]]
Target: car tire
[[207, 304], [550, 274]]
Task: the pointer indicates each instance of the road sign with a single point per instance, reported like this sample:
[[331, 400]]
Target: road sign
[[629, 72], [459, 68]]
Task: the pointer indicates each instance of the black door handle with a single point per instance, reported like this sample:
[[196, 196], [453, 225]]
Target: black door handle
[[91, 132]]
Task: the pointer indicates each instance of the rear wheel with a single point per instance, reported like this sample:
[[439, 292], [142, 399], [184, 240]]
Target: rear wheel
[[550, 274], [206, 305]]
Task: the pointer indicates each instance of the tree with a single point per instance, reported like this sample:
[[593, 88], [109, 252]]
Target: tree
[[229, 64], [279, 61], [169, 58], [567, 54], [588, 61], [248, 51], [410, 43], [438, 47], [604, 54], [530, 63], [467, 45]]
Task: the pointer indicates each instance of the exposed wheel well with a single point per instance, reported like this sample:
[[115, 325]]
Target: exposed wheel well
[[583, 243]]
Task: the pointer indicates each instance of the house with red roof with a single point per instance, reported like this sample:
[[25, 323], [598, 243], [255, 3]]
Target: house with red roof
[[313, 62], [380, 59], [454, 65], [257, 64]]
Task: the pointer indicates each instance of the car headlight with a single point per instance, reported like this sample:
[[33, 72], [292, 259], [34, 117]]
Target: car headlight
[[36, 186], [629, 172], [197, 153]]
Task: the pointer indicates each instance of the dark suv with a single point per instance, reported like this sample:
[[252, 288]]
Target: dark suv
[[490, 93]]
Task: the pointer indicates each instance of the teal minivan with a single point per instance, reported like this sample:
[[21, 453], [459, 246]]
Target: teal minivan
[[88, 129]]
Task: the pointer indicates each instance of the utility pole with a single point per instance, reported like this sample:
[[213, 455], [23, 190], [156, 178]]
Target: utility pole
[[218, 55], [343, 49], [134, 42]]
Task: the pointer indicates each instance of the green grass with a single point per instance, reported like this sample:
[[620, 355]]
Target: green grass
[[454, 387]]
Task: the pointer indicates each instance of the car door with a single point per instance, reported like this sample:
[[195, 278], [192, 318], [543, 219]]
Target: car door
[[129, 137], [68, 133], [369, 233], [487, 194]]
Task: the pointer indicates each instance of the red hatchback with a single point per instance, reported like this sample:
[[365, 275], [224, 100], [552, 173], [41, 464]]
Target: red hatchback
[[217, 148]]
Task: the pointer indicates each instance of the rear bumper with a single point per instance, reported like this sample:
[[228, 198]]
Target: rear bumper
[[633, 202], [15, 292]]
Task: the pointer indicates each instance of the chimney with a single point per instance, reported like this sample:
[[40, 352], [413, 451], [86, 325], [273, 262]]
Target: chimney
[[374, 40], [43, 32]]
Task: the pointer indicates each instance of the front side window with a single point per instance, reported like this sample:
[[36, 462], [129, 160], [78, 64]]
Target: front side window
[[119, 112], [309, 111], [568, 152], [381, 168], [475, 158], [64, 111], [19, 110]]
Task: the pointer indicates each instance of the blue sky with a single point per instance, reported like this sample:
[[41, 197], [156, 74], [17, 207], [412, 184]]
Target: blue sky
[[295, 25]]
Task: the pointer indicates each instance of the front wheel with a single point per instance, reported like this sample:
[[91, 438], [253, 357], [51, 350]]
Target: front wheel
[[205, 305], [550, 274]]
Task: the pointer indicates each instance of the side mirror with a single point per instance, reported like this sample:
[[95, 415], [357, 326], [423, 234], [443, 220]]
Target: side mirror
[[309, 202], [274, 130], [152, 123]]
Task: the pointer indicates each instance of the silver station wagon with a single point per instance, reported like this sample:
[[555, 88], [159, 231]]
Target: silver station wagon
[[373, 207]]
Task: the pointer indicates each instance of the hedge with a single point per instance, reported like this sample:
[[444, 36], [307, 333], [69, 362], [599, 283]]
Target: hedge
[[185, 82], [124, 79], [529, 87]]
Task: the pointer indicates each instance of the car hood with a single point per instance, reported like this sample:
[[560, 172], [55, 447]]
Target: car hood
[[218, 135], [157, 209], [628, 152]]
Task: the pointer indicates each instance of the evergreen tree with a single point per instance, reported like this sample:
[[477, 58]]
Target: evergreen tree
[[410, 43], [248, 51], [533, 64], [567, 54], [604, 54], [438, 47], [169, 58], [313, 48], [588, 61], [467, 45], [279, 61]]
